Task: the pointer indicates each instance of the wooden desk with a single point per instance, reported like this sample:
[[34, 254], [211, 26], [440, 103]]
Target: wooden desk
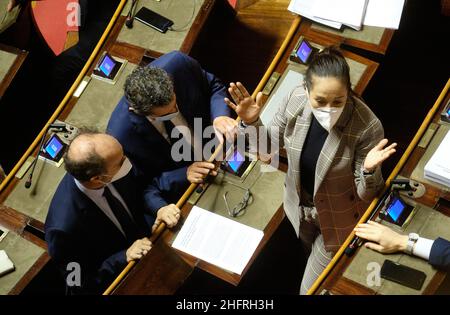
[[264, 213], [76, 110], [30, 208], [371, 38], [125, 44], [333, 279], [27, 252], [11, 61], [135, 281]]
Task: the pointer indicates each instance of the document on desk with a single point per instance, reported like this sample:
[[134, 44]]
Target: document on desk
[[217, 240], [438, 167]]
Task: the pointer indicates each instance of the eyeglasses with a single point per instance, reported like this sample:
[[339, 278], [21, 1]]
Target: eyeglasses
[[241, 206]]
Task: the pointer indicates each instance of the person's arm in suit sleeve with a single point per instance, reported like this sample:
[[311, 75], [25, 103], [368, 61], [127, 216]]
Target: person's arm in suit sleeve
[[165, 189], [217, 89], [368, 185], [65, 250], [218, 93], [440, 254]]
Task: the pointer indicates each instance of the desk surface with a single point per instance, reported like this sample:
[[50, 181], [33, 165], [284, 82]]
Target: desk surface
[[363, 69], [20, 206], [80, 112], [343, 277], [371, 38]]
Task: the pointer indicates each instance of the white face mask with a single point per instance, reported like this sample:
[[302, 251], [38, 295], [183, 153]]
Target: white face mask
[[327, 116], [124, 170], [165, 117]]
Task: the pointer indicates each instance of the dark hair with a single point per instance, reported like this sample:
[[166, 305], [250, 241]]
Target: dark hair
[[92, 165], [329, 63], [148, 87]]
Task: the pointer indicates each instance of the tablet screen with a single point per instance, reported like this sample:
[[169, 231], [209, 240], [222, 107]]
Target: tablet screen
[[304, 51], [107, 65], [396, 209], [53, 147], [236, 161]]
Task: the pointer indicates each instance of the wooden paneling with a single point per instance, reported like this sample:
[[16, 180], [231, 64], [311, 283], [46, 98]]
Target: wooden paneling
[[21, 55]]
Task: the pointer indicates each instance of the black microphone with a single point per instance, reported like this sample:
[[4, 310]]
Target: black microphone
[[61, 127], [130, 15]]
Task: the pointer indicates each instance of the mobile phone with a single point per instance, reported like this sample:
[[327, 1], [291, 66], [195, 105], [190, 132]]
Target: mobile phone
[[153, 19], [401, 274]]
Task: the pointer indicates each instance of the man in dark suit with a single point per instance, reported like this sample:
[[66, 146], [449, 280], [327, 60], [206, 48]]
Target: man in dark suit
[[386, 241], [172, 95], [99, 216]]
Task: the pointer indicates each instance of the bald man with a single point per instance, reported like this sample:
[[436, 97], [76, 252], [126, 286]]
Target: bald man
[[99, 217]]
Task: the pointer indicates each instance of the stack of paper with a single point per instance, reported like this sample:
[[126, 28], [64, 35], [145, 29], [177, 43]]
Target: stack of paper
[[438, 167], [352, 13], [217, 240]]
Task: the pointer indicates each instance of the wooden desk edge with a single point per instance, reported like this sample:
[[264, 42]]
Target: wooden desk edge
[[12, 71], [326, 274]]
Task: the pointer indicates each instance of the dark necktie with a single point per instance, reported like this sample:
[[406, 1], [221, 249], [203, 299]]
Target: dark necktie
[[169, 127], [129, 227]]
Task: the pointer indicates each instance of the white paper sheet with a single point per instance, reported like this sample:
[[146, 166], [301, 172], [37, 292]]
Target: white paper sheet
[[304, 8], [290, 81], [384, 13], [217, 240], [438, 167], [6, 265], [348, 12]]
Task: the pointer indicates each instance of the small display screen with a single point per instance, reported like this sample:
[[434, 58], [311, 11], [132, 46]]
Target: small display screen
[[396, 209], [304, 51], [107, 65], [53, 147], [236, 161]]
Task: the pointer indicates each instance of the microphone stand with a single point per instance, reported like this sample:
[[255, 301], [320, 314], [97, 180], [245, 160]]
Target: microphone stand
[[130, 15]]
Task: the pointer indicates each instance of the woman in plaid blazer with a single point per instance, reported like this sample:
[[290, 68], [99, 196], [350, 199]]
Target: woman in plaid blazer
[[335, 149]]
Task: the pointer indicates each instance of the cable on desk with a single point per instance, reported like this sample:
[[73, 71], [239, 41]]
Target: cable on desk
[[183, 28]]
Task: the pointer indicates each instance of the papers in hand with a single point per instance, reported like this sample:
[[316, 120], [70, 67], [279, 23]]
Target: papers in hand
[[217, 240], [438, 167], [352, 13], [6, 265]]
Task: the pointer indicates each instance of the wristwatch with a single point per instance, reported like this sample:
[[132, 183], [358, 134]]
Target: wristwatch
[[412, 240], [367, 172], [242, 125]]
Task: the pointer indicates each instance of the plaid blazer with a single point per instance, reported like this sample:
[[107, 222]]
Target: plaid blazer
[[342, 192]]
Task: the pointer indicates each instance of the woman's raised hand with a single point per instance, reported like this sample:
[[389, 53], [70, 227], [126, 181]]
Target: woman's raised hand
[[244, 105]]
